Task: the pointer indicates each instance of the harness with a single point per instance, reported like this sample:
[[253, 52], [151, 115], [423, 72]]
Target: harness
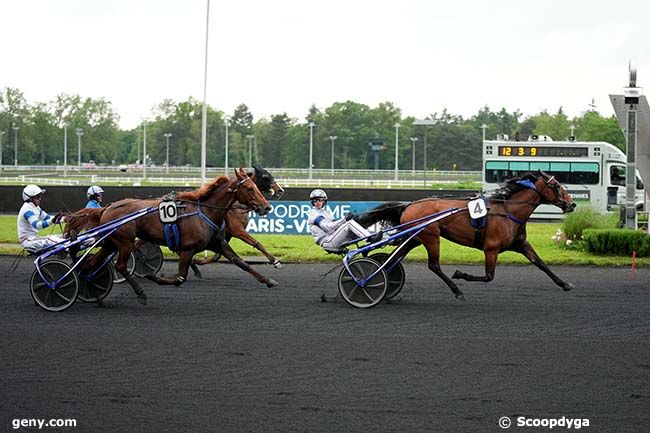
[[171, 230]]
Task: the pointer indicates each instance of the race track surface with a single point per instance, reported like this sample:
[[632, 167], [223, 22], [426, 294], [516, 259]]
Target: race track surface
[[226, 354]]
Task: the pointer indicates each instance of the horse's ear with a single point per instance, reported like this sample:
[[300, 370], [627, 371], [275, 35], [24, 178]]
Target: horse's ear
[[241, 174], [257, 168]]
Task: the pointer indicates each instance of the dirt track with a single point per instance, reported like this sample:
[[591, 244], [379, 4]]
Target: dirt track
[[227, 355]]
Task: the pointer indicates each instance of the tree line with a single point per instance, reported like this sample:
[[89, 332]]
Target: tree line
[[453, 142]]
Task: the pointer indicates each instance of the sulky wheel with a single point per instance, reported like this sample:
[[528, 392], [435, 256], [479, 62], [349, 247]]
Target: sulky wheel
[[130, 267], [372, 292], [95, 285], [396, 275], [61, 296], [148, 259]]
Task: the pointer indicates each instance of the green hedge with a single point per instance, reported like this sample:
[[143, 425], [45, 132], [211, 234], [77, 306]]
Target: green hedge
[[617, 242]]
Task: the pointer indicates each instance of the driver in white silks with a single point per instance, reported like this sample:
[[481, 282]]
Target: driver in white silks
[[329, 233], [31, 219]]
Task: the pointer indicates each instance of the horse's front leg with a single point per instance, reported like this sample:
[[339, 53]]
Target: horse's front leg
[[231, 255], [244, 236], [184, 261], [529, 252], [490, 266]]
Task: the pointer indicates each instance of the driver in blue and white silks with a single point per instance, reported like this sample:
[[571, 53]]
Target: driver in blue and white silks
[[31, 219], [329, 233], [95, 196]]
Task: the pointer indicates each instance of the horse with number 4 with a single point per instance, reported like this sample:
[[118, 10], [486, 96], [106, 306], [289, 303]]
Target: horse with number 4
[[493, 225], [187, 222]]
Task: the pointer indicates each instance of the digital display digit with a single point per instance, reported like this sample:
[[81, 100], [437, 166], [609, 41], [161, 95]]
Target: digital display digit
[[542, 151]]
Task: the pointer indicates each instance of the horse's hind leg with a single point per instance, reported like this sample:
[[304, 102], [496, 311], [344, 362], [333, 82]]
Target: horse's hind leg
[[124, 251], [490, 266], [432, 244], [184, 262], [529, 252]]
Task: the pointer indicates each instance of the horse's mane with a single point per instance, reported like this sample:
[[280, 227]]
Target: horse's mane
[[204, 190], [511, 186]]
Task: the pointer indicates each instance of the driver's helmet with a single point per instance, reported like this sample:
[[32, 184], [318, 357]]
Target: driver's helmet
[[94, 191], [31, 191], [317, 194]]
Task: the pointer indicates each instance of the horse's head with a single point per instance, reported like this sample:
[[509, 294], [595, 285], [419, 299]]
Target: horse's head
[[266, 182], [248, 194], [552, 192]]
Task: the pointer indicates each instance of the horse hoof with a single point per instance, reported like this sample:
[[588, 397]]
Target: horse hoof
[[457, 275], [460, 296], [197, 273], [568, 286], [277, 264], [271, 283], [142, 298]]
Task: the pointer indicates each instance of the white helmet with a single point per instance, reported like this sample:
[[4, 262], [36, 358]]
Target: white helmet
[[31, 191], [94, 190], [318, 193]]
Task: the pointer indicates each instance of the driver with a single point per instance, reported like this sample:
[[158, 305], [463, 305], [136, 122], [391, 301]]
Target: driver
[[95, 196], [329, 233], [31, 219]]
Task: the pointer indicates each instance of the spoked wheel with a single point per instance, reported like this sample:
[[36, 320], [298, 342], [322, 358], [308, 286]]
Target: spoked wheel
[[148, 259], [94, 288], [372, 292], [57, 298], [130, 268], [396, 276]]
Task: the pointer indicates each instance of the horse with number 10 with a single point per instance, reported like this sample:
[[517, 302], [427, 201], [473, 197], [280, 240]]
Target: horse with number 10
[[505, 226], [200, 225]]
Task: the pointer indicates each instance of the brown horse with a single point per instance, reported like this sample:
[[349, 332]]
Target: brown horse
[[201, 213], [237, 219], [504, 230]]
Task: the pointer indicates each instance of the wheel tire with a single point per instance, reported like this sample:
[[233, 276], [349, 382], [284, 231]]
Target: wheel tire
[[396, 276], [374, 290], [148, 259], [99, 287], [60, 297], [130, 267]]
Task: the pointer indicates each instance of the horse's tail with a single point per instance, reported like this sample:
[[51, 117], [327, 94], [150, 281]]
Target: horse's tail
[[389, 212], [83, 219]]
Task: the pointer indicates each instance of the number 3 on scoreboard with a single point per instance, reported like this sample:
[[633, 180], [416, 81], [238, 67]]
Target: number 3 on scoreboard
[[167, 212]]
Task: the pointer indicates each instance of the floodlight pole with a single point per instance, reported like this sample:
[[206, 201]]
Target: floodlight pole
[[631, 95], [397, 151]]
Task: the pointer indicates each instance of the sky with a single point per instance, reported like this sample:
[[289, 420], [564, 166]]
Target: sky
[[286, 55]]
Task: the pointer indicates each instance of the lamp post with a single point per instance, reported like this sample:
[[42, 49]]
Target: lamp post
[[250, 149], [167, 135], [426, 123], [311, 148], [15, 128], [144, 150], [204, 132], [483, 127], [1, 134], [413, 140], [396, 151], [571, 128], [65, 150], [333, 139], [79, 134], [226, 164]]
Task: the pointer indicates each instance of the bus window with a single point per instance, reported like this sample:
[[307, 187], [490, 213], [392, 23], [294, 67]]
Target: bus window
[[561, 171], [544, 166], [617, 175], [584, 173]]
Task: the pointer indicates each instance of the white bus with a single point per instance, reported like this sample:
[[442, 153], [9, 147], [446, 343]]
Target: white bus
[[592, 172]]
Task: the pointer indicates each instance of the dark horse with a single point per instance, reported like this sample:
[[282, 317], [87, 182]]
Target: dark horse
[[237, 219], [505, 228], [201, 214]]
